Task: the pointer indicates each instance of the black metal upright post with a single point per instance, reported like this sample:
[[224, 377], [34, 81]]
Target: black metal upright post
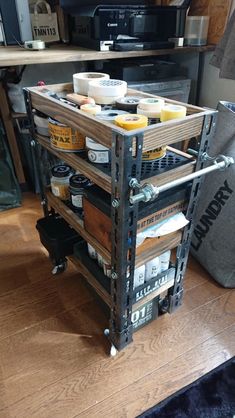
[[35, 151], [175, 293], [126, 162]]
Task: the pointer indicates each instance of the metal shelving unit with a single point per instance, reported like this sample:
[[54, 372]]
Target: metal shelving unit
[[124, 303]]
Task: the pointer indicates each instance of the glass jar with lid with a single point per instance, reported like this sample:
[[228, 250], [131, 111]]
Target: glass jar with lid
[[60, 180]]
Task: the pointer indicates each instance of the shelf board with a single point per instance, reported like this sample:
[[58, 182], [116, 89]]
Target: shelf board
[[105, 296], [76, 223], [104, 180], [78, 163], [153, 247], [14, 55]]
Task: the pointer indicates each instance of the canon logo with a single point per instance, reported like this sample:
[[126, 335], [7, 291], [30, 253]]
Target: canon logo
[[111, 24]]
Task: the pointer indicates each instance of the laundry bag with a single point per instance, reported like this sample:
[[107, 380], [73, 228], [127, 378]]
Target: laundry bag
[[213, 239]]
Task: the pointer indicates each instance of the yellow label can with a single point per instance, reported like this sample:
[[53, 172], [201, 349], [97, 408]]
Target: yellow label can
[[65, 138], [154, 154]]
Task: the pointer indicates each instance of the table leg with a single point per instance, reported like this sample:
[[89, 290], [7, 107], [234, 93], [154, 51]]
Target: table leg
[[9, 128]]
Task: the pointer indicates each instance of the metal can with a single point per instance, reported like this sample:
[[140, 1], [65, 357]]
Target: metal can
[[65, 138]]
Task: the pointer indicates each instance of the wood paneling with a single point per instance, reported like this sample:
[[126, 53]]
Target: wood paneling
[[218, 10]]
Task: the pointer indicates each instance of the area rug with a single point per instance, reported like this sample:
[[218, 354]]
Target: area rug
[[211, 396]]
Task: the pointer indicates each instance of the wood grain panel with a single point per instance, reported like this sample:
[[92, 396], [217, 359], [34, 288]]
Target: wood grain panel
[[74, 394], [86, 124], [78, 163], [152, 247], [147, 392], [14, 55]]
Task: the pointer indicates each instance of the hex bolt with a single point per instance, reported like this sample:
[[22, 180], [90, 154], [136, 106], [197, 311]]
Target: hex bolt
[[32, 143], [114, 275], [115, 203]]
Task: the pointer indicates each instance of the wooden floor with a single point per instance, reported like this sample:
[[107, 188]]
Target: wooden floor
[[54, 359]]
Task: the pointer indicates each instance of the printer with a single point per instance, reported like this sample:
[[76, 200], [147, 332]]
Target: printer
[[120, 25], [15, 24]]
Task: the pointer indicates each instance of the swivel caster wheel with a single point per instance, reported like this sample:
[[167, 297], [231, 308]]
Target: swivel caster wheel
[[113, 351], [59, 268]]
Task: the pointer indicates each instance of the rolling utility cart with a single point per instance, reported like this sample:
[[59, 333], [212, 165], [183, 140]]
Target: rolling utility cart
[[137, 194]]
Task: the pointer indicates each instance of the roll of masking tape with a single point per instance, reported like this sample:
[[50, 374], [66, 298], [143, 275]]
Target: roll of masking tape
[[105, 100], [171, 111], [131, 121], [151, 104], [81, 81], [107, 88], [149, 114], [111, 114], [155, 154], [128, 103], [92, 109]]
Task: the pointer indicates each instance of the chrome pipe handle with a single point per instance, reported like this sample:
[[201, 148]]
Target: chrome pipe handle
[[149, 192]]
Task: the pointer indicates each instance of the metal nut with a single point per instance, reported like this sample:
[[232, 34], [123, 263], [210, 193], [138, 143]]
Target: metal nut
[[114, 275], [115, 203]]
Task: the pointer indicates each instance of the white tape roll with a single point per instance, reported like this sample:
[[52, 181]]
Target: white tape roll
[[105, 100], [110, 115], [107, 88], [151, 104], [81, 81]]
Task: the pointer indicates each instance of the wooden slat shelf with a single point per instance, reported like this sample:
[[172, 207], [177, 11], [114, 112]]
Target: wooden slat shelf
[[76, 223], [105, 296], [148, 250], [78, 163], [103, 180], [165, 133]]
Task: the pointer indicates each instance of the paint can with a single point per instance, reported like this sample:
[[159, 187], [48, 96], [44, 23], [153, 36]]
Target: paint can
[[64, 138]]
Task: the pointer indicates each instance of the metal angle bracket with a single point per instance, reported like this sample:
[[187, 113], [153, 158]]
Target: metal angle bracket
[[125, 160]]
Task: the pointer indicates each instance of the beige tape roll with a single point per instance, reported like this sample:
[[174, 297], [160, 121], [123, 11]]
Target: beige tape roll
[[148, 114], [81, 81], [151, 104], [131, 121], [171, 111], [105, 100], [92, 109]]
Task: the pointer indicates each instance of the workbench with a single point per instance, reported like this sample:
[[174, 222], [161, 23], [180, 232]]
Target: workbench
[[11, 56]]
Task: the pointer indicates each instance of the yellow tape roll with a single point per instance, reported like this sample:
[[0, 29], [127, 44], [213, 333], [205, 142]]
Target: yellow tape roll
[[169, 112], [131, 121]]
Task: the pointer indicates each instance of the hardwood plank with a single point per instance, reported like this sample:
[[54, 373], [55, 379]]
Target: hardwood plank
[[13, 55], [156, 386], [47, 352], [195, 274], [54, 349], [74, 394], [35, 302]]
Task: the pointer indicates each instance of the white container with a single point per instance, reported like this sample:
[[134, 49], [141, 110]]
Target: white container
[[100, 260], [107, 268], [41, 125], [164, 261], [152, 268], [96, 152], [81, 81], [196, 30], [139, 276], [92, 252]]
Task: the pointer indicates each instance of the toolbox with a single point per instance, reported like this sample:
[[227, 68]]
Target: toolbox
[[58, 238]]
